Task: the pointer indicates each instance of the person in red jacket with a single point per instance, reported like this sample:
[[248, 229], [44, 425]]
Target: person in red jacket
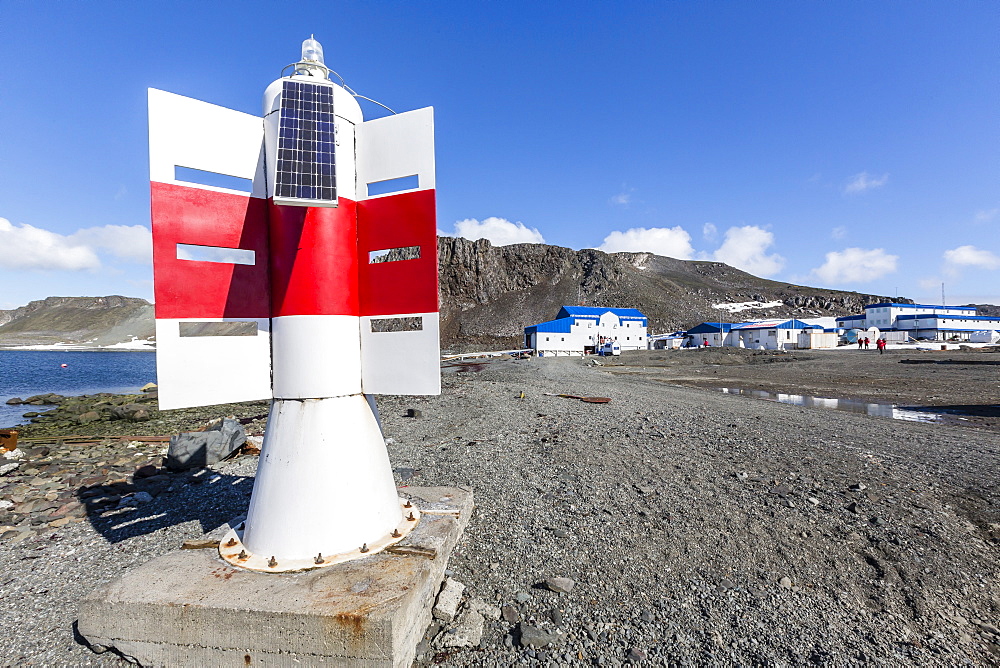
[[880, 344]]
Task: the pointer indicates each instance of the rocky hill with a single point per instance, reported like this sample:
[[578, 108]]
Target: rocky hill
[[490, 293], [96, 321]]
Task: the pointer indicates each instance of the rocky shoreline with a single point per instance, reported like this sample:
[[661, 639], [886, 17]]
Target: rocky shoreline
[[696, 528]]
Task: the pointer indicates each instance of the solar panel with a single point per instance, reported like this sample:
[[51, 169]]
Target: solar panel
[[306, 164]]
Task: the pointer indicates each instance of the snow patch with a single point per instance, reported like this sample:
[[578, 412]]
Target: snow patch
[[736, 307]]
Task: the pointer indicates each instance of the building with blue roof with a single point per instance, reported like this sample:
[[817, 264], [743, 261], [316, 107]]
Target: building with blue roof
[[577, 330], [774, 334]]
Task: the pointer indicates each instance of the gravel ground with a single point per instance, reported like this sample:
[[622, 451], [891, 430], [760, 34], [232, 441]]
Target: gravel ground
[[700, 528]]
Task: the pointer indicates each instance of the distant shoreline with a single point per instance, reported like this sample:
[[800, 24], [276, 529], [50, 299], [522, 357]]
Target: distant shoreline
[[76, 349]]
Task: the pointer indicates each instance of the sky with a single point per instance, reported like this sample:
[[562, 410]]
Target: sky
[[847, 145]]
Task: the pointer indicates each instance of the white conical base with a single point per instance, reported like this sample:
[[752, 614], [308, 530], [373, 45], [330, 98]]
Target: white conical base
[[324, 482]]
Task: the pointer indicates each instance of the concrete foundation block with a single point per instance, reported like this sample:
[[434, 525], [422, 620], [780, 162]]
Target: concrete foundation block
[[190, 608]]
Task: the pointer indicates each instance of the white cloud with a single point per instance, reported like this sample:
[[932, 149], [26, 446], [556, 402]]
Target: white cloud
[[499, 231], [970, 256], [133, 243], [28, 247], [855, 265], [838, 232], [859, 183], [669, 241], [624, 198], [986, 215], [744, 248], [710, 232]]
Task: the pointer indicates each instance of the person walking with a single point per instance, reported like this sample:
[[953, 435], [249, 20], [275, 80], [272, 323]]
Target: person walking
[[861, 343], [880, 344], [867, 342]]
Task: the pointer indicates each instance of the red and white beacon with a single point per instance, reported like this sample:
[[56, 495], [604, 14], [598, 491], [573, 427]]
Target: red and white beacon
[[295, 258]]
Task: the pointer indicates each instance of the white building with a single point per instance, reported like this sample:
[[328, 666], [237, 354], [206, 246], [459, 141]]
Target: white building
[[922, 321], [581, 329], [762, 335]]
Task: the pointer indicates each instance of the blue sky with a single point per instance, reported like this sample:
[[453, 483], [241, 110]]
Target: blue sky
[[851, 145]]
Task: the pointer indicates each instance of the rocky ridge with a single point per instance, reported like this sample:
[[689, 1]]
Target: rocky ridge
[[491, 293]]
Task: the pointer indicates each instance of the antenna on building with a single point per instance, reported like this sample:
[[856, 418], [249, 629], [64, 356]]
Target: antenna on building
[[942, 295]]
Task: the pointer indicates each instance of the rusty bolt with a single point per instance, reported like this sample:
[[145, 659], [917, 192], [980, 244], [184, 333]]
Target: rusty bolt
[[408, 504], [364, 547], [272, 562], [231, 542], [395, 533], [318, 559], [410, 518], [243, 555]]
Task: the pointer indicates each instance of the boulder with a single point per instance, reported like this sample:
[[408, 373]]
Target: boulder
[[202, 448], [148, 387], [15, 401]]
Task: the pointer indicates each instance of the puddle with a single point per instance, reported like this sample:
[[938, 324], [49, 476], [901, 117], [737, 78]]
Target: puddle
[[894, 411]]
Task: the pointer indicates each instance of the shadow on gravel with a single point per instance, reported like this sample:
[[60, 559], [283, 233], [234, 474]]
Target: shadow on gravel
[[121, 510]]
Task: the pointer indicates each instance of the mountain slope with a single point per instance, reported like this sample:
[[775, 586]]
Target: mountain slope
[[98, 321], [490, 293]]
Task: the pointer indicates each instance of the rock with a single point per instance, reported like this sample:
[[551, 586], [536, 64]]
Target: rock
[[30, 414], [858, 487], [531, 636], [404, 473], [467, 632], [556, 616], [88, 417], [16, 455], [560, 585], [522, 597], [203, 448], [146, 471], [560, 533], [781, 491], [8, 467], [785, 582], [635, 655], [484, 608], [813, 500], [852, 507], [446, 605], [510, 614], [5, 504], [15, 401], [413, 413], [647, 616], [148, 387]]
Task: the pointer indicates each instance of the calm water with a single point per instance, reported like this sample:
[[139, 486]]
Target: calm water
[[27, 372], [848, 405]]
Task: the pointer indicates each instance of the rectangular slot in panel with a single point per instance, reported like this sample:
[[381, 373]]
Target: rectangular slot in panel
[[411, 182], [219, 254], [190, 329], [394, 254], [405, 324], [204, 178]]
